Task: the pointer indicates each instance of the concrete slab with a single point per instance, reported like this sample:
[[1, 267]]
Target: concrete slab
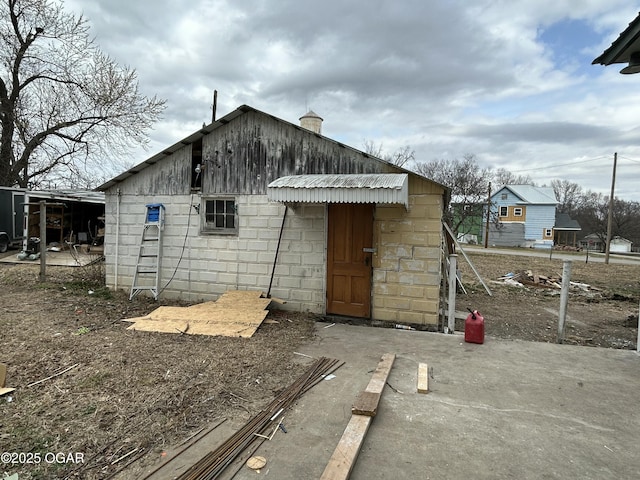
[[500, 410], [58, 259]]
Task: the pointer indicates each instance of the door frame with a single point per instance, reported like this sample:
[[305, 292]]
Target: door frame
[[366, 249]]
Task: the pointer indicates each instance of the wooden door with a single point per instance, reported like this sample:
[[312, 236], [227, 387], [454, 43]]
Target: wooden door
[[349, 252]]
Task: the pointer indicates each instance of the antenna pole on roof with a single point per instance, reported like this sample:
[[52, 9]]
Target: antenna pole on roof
[[215, 105]]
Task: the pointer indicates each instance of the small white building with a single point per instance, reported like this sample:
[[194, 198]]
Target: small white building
[[620, 245]]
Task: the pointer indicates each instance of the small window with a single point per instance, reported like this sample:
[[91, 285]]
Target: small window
[[517, 212], [548, 232], [503, 211], [503, 196], [219, 215], [196, 165]]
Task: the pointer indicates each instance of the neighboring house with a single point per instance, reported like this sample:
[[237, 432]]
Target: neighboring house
[[625, 49], [522, 216], [467, 220], [565, 230], [618, 244], [592, 242], [253, 202]]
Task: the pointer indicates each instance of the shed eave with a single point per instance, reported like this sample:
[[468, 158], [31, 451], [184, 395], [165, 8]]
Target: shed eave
[[384, 188]]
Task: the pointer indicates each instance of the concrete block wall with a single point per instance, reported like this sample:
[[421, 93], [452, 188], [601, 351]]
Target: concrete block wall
[[202, 267], [407, 263]]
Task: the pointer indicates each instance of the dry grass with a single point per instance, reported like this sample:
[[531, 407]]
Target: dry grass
[[130, 389]]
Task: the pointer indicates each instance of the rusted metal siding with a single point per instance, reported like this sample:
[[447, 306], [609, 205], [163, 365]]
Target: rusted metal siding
[[256, 149]]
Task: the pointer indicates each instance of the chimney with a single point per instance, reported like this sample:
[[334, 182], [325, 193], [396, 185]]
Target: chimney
[[311, 121]]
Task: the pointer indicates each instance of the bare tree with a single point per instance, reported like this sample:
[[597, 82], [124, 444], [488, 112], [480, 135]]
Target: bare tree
[[568, 194], [503, 177], [469, 185], [400, 157], [63, 103]]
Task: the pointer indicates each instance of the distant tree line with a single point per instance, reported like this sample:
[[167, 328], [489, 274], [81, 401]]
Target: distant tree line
[[469, 186]]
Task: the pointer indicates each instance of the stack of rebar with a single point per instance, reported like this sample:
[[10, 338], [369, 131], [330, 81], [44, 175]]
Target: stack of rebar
[[258, 428]]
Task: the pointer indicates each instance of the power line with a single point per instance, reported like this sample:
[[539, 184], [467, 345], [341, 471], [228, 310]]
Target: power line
[[630, 159], [562, 164]]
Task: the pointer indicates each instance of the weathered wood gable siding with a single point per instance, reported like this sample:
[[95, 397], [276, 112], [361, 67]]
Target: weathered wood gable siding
[[170, 176], [255, 149]]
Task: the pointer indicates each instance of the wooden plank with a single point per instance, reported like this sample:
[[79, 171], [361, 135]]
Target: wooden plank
[[379, 377], [3, 377], [344, 456], [423, 378], [366, 404]]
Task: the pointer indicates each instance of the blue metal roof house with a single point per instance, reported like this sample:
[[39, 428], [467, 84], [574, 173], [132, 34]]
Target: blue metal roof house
[[522, 216]]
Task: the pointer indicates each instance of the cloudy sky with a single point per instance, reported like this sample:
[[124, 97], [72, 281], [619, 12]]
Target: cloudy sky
[[509, 81]]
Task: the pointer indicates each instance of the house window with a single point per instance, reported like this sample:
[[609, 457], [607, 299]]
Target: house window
[[503, 196], [517, 212], [548, 232], [219, 215], [503, 211]]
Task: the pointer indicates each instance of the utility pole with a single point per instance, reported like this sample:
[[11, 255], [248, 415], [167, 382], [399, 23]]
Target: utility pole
[[610, 218], [214, 106], [486, 227]]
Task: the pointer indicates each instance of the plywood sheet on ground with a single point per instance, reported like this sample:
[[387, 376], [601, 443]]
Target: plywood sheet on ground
[[236, 313]]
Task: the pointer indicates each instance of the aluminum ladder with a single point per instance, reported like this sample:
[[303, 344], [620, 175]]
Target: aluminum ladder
[[147, 274]]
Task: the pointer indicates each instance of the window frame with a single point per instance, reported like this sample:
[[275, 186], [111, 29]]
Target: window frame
[[548, 232], [516, 210], [208, 227], [506, 211]]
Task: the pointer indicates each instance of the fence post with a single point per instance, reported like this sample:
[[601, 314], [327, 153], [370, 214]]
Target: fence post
[[453, 276], [564, 298]]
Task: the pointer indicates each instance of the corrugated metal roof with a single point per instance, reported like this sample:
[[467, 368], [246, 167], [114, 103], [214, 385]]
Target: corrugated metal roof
[[341, 188], [86, 196], [533, 195]]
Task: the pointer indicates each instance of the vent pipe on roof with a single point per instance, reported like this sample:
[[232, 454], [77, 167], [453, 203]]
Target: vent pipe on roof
[[311, 121]]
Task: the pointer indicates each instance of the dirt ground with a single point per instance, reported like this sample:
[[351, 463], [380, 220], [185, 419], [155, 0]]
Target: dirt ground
[[128, 390], [603, 315], [142, 392]]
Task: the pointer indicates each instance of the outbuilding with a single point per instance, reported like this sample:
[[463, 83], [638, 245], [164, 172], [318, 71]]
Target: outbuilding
[[253, 202]]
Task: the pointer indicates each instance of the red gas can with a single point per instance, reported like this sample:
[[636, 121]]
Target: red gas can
[[474, 327]]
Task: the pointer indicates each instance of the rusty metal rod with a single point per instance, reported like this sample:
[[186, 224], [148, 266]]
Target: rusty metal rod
[[213, 463]]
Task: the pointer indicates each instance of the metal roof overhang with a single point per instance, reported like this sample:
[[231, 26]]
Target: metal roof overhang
[[390, 188]]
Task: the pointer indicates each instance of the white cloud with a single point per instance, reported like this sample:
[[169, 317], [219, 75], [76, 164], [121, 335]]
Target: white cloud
[[446, 77]]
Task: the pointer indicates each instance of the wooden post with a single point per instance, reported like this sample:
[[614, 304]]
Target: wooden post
[[564, 298], [638, 339], [453, 271], [487, 218], [43, 240]]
